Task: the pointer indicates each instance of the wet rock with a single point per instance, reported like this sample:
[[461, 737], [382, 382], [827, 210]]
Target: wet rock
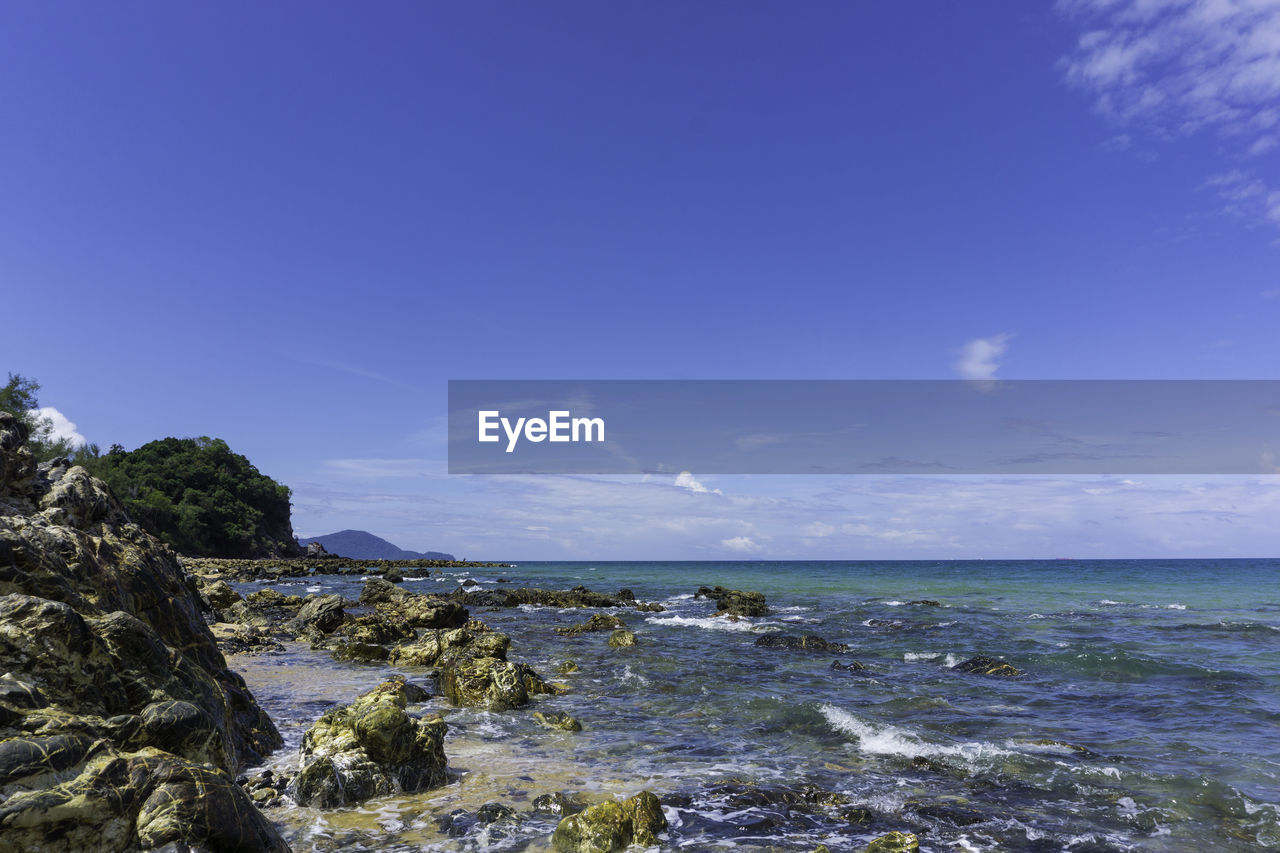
[[142, 801], [371, 748], [622, 638], [415, 609], [393, 575], [377, 628], [924, 602], [579, 596], [610, 826], [807, 643], [894, 842], [360, 652], [474, 670], [322, 613], [236, 639], [851, 666], [559, 804], [982, 665], [556, 720], [650, 607], [598, 622], [567, 668], [735, 602]]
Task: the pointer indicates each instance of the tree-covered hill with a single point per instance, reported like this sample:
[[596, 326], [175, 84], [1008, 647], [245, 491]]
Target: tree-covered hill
[[199, 497]]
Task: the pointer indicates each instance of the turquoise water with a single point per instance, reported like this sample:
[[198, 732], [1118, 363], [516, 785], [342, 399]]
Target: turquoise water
[[1147, 717]]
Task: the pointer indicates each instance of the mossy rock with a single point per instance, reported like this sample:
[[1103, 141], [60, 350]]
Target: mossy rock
[[598, 622], [894, 842], [556, 720], [621, 638], [370, 748], [606, 827], [982, 665], [568, 668]]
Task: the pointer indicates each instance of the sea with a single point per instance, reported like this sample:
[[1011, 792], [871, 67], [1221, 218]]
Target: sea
[[1146, 715]]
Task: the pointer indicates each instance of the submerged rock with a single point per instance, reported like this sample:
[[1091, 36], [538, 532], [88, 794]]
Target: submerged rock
[[579, 596], [610, 826], [622, 638], [982, 665], [894, 842], [556, 720], [598, 622], [735, 602], [924, 602], [807, 643], [371, 748]]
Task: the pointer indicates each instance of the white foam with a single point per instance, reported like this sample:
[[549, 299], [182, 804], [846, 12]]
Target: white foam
[[710, 623], [895, 603], [921, 655], [1106, 602], [885, 739], [1176, 607]]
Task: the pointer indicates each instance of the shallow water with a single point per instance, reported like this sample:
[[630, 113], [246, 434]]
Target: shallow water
[[1163, 675]]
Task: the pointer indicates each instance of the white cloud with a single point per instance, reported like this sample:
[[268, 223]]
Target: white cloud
[[62, 428], [1178, 67], [978, 358], [743, 544], [685, 480]]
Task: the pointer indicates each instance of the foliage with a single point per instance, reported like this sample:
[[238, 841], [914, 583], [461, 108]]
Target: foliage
[[20, 398], [199, 497]]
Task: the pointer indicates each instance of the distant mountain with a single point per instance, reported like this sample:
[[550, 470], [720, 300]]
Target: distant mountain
[[361, 545]]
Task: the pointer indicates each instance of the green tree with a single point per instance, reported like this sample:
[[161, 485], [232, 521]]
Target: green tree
[[20, 398], [200, 497]]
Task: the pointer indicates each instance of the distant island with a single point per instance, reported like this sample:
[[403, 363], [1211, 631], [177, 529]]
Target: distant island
[[362, 545]]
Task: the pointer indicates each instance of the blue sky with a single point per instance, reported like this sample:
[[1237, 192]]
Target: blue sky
[[289, 226]]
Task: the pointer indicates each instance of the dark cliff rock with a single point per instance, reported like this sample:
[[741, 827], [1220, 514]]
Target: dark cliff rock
[[121, 727]]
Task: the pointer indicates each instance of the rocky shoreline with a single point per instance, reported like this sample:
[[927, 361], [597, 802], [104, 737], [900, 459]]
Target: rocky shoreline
[[123, 729]]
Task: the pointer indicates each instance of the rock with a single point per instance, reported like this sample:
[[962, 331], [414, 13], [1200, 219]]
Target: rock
[[622, 637], [235, 639], [851, 666], [322, 613], [807, 643], [121, 727], [555, 720], [598, 622], [377, 628], [474, 670], [894, 842], [363, 652], [315, 551], [650, 607], [647, 819], [558, 804], [393, 575], [417, 610], [221, 595], [579, 596], [142, 801], [925, 602], [982, 665], [610, 826], [735, 602], [567, 668], [371, 748]]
